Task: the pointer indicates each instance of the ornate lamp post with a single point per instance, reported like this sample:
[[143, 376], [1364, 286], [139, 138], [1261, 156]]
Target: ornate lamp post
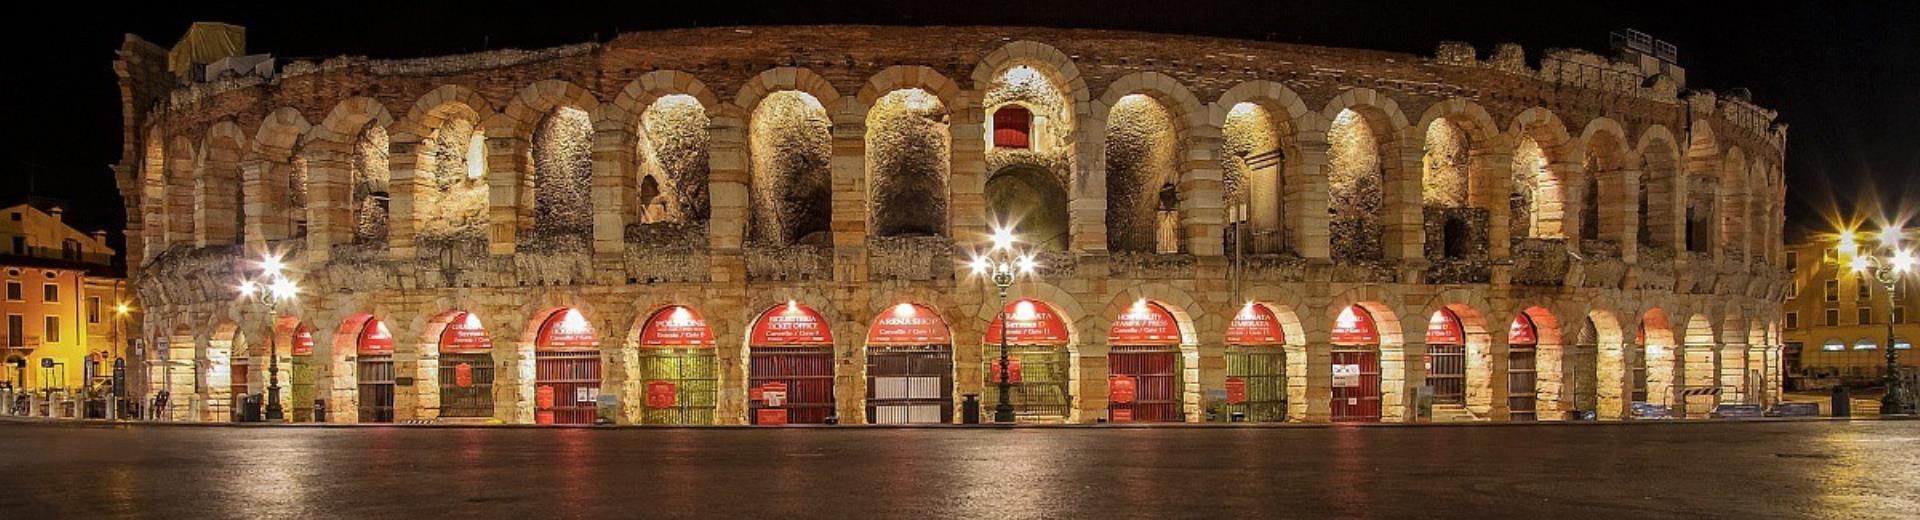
[[1886, 261], [269, 287], [1003, 265]]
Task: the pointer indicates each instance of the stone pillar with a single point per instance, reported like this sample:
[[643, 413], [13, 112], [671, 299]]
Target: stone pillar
[[1206, 369], [1263, 204], [506, 164], [1202, 192], [1620, 211], [262, 214], [409, 354], [1493, 167], [1087, 196], [967, 208], [731, 356], [513, 379], [1733, 372], [1091, 394], [615, 158], [1402, 215], [1317, 406], [727, 188], [329, 222], [1411, 369], [1613, 380], [1306, 197], [617, 364], [404, 185], [1552, 395], [1700, 368], [1298, 373], [849, 216]]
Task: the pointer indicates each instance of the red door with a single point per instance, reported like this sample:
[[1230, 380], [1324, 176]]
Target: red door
[[1522, 385], [806, 372], [566, 387], [1154, 373], [1356, 385]]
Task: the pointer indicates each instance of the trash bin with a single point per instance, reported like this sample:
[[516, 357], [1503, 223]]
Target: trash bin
[[1842, 402], [250, 408], [320, 410], [970, 409]]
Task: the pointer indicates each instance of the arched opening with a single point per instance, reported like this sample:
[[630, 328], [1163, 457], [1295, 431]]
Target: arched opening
[[675, 148], [1144, 365], [296, 195], [791, 144], [1657, 367], [1143, 200], [369, 185], [1455, 230], [451, 202], [1582, 392], [1038, 363], [1357, 189], [217, 195], [1356, 366], [567, 372], [790, 370], [1447, 358], [1656, 198], [1252, 158], [1523, 338], [181, 181], [1034, 113], [562, 182], [1256, 358], [1700, 368], [679, 372], [1032, 202], [908, 160], [909, 367], [373, 368], [1602, 208], [466, 372], [301, 368], [1702, 190], [153, 193]]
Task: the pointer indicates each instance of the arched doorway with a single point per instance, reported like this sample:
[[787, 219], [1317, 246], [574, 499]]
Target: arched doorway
[[466, 367], [790, 374], [1356, 366], [1523, 338], [566, 373], [300, 374], [1038, 363], [373, 370], [1032, 201], [1144, 365], [1256, 366], [1447, 358], [1637, 366], [678, 369], [909, 367]]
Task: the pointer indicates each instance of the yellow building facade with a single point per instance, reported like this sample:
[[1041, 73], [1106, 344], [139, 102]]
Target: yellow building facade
[[1836, 318], [61, 311]]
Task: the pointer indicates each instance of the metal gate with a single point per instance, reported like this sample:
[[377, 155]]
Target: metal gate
[[376, 388], [1039, 386], [695, 380], [566, 387], [1261, 374], [807, 373], [1447, 373], [466, 385], [1356, 395], [1156, 374], [1522, 385], [910, 385], [1639, 369]]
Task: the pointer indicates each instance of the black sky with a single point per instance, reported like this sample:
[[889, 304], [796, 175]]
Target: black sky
[[1844, 75]]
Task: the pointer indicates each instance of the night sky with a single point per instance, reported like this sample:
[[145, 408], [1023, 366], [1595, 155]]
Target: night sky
[[1844, 77]]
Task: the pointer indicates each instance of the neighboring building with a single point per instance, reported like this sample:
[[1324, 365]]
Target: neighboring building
[[59, 300], [1836, 319]]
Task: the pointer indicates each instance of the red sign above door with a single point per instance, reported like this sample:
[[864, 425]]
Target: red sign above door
[[1522, 332], [676, 326], [302, 341], [464, 333], [908, 324], [1146, 323], [374, 338], [1444, 329], [791, 325], [1255, 325], [566, 329], [1034, 323], [1355, 326]]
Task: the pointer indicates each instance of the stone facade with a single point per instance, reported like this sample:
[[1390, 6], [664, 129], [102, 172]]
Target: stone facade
[[812, 191]]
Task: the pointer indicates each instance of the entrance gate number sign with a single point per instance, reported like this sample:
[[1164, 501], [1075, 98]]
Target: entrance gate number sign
[[1346, 376]]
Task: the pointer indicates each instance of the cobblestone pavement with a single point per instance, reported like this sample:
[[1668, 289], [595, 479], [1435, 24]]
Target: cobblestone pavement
[[1861, 469]]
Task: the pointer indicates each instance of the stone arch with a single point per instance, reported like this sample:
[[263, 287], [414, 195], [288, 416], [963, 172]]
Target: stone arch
[[662, 120], [217, 191], [180, 177], [1261, 125], [1392, 347], [1601, 338], [1188, 315], [909, 145], [1548, 362], [431, 110], [1703, 182], [1700, 361], [789, 150], [1057, 66], [153, 192], [1657, 156], [1459, 164], [348, 187], [1731, 203], [1541, 168], [1659, 357], [281, 178], [1366, 177], [447, 186], [778, 79], [1604, 200]]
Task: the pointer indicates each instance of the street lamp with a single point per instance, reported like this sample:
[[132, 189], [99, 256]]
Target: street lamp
[[1003, 264], [1886, 261], [269, 286]]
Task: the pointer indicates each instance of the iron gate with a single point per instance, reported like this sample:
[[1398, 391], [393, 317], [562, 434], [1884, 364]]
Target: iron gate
[[1359, 401], [808, 374], [376, 388], [566, 387], [1039, 390], [695, 380], [1639, 368], [469, 395], [1522, 385], [1262, 372], [1447, 373], [910, 385], [1156, 374], [300, 388]]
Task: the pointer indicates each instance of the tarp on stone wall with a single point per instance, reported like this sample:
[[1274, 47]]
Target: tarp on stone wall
[[206, 42]]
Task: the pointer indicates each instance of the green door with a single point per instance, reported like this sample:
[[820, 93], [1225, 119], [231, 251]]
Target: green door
[[1261, 373], [695, 385]]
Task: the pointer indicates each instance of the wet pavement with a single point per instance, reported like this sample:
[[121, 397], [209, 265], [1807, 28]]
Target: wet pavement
[[1825, 469]]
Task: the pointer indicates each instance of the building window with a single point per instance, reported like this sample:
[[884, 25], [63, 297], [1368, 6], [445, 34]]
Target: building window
[[1793, 320], [19, 245], [1901, 344], [1899, 315], [1833, 345], [1793, 289], [1864, 344], [16, 330], [15, 216], [15, 293], [50, 293], [1833, 290], [1865, 290], [1011, 126], [1793, 261], [1832, 317], [93, 309], [52, 333], [70, 250], [1865, 315]]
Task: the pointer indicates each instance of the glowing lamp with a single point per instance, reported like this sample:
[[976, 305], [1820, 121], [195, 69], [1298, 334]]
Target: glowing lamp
[[1859, 263]]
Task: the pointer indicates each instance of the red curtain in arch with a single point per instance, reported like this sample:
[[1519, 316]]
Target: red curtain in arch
[[1011, 126]]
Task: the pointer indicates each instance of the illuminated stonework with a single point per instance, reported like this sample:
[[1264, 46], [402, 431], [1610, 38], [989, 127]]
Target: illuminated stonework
[[720, 173]]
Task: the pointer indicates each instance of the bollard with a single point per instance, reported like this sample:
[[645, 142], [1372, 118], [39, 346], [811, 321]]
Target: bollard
[[970, 409], [1842, 402]]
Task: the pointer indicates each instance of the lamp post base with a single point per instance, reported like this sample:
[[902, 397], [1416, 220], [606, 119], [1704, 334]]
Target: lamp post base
[[1003, 414], [1894, 404], [275, 412]]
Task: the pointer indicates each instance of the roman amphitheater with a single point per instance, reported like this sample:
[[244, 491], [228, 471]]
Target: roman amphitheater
[[775, 225]]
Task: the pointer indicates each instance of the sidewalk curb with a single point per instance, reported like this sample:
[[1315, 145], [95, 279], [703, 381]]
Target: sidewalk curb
[[101, 423]]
